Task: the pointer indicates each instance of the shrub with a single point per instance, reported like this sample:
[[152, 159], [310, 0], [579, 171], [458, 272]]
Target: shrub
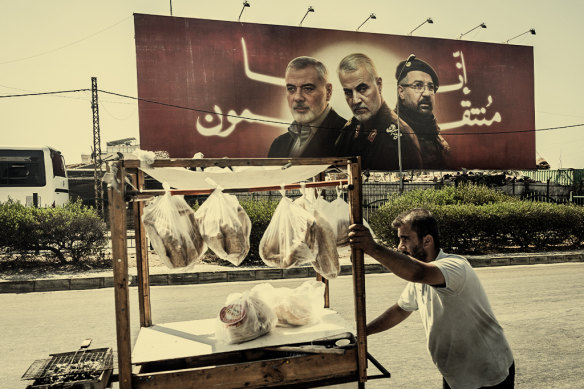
[[260, 213], [476, 219], [73, 231], [13, 217]]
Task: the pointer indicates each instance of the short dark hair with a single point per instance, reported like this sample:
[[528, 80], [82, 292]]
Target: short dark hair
[[300, 63], [422, 222], [353, 62]]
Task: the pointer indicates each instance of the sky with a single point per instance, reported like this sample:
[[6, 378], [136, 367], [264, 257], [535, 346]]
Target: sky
[[59, 45]]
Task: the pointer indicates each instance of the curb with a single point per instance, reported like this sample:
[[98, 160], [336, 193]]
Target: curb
[[235, 275]]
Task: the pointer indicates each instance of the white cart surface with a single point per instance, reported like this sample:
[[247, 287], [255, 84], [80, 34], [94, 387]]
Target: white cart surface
[[197, 337]]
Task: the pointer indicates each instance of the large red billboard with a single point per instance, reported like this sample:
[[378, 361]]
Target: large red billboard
[[218, 88]]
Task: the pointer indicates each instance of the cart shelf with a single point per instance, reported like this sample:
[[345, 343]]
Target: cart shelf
[[186, 354]]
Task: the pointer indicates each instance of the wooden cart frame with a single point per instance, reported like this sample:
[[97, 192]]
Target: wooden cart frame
[[348, 364]]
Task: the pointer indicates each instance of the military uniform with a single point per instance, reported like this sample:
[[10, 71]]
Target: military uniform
[[376, 142]]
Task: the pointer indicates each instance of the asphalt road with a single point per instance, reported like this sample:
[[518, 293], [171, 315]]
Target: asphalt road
[[539, 306]]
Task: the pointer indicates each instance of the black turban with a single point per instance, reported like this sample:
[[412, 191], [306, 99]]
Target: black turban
[[415, 64]]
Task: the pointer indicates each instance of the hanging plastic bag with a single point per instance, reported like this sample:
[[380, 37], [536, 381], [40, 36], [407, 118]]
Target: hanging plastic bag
[[171, 227], [326, 262], [224, 226], [243, 318], [294, 307], [307, 198], [341, 211], [290, 237], [326, 209]]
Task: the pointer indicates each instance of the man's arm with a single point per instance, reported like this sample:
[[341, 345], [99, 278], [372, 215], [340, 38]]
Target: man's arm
[[388, 319], [403, 266]]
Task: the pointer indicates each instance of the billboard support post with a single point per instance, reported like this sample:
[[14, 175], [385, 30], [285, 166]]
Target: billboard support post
[[399, 154]]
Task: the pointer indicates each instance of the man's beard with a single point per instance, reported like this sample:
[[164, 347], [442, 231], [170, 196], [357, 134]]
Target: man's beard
[[363, 117], [309, 116], [417, 253], [304, 118], [425, 112]]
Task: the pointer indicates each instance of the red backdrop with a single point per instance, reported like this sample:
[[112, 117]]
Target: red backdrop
[[217, 87]]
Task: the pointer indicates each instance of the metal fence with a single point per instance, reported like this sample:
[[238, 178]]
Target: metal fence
[[376, 194], [560, 176]]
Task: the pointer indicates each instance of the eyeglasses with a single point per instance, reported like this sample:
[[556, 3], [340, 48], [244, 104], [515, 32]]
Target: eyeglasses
[[419, 87]]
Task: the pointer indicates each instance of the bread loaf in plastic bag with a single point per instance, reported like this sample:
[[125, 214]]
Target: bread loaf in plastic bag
[[307, 198], [326, 262], [171, 227], [341, 210], [294, 307], [244, 317], [224, 226], [290, 237]]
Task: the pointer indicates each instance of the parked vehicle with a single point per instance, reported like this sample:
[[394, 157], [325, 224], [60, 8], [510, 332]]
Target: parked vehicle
[[33, 175]]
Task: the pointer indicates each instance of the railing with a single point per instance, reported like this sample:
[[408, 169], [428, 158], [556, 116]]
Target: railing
[[577, 197], [375, 194]]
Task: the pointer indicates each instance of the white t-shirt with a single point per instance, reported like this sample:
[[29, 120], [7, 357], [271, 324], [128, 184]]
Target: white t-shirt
[[465, 341]]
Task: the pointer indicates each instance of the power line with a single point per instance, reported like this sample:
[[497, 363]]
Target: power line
[[32, 92], [195, 109], [65, 46], [45, 93], [104, 106], [517, 131], [274, 121], [288, 123]]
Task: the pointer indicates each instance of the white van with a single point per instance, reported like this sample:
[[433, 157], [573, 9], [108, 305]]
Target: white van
[[33, 175]]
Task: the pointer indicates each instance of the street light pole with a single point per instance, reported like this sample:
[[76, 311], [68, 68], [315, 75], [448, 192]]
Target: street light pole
[[482, 25], [371, 16], [429, 20], [531, 30]]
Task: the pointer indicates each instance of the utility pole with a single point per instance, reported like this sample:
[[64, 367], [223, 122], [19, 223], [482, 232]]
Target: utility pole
[[97, 162]]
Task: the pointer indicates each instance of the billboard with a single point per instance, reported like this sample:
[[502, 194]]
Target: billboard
[[218, 88]]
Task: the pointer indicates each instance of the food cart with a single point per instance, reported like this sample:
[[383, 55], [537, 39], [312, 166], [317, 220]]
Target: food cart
[[185, 354]]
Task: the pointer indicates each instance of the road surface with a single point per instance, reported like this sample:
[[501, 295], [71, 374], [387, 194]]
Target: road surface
[[540, 307]]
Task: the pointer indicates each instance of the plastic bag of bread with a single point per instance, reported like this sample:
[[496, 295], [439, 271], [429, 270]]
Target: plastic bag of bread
[[307, 198], [294, 307], [171, 227], [244, 317], [224, 226], [341, 210], [326, 209], [326, 262], [290, 237]]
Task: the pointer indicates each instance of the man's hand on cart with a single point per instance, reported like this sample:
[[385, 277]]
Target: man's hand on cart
[[360, 238]]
